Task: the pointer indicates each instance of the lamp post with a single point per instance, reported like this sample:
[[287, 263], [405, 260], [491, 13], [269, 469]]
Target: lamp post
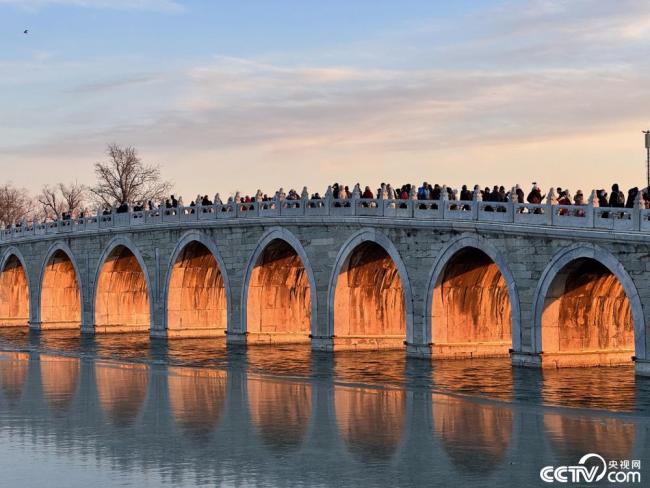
[[647, 150]]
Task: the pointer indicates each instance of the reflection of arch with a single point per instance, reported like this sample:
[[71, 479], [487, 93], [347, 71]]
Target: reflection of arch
[[59, 379], [476, 436], [121, 389], [379, 264], [197, 398], [13, 374], [484, 249], [371, 421], [280, 410], [596, 271], [122, 292], [571, 437], [197, 290], [59, 289], [14, 289], [279, 292]]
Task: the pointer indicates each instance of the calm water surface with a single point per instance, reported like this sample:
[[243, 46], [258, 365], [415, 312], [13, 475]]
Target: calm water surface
[[127, 411]]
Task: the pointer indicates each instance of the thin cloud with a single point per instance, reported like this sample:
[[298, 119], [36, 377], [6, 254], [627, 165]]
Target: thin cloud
[[151, 5]]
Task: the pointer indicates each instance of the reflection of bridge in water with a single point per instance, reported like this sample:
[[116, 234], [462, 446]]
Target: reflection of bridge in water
[[232, 424], [443, 280]]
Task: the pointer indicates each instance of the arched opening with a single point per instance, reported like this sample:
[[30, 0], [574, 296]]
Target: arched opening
[[370, 421], [475, 436], [280, 411], [369, 304], [122, 297], [122, 389], [14, 294], [278, 304], [471, 311], [60, 295], [587, 318], [197, 398], [196, 298], [59, 380]]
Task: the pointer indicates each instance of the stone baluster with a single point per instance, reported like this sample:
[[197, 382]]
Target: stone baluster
[[551, 200], [592, 203], [636, 212], [477, 197]]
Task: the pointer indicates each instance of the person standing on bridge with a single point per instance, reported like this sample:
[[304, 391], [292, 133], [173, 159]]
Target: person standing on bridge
[[616, 199]]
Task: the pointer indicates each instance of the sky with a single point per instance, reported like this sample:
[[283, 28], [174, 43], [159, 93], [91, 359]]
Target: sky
[[241, 95]]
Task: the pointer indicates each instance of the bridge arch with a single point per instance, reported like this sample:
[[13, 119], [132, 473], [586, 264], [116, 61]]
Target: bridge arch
[[196, 297], [15, 290], [370, 255], [59, 289], [122, 290], [279, 289], [466, 261], [576, 272]]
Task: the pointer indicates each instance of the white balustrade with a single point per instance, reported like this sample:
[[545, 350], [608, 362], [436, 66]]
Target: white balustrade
[[544, 214]]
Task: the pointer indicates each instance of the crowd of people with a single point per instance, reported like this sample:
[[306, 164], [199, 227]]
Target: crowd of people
[[340, 194]]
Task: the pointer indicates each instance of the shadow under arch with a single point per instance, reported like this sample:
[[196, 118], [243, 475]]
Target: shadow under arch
[[59, 293], [584, 283], [131, 283], [197, 265], [15, 287], [369, 259], [279, 293], [464, 262]]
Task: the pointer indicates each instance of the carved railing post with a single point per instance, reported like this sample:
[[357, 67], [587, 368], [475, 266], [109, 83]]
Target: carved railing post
[[476, 198], [444, 201], [592, 203], [636, 212], [510, 205], [551, 200]]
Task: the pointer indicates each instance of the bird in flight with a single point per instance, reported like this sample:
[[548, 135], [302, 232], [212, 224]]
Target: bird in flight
[[26, 31]]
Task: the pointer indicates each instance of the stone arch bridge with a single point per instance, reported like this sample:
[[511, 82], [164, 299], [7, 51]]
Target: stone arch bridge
[[549, 285]]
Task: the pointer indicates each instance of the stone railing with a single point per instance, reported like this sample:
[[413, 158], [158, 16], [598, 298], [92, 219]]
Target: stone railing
[[588, 216]]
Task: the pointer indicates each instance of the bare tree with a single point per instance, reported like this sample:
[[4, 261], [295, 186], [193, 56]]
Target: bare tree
[[61, 198], [16, 205], [124, 178]]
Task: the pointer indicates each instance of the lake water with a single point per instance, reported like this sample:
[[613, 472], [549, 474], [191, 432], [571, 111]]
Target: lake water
[[128, 411]]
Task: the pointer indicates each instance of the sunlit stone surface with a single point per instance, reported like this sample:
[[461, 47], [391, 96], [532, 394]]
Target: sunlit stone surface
[[14, 294], [122, 297], [60, 296], [586, 311], [196, 304], [471, 311], [369, 301], [279, 300]]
